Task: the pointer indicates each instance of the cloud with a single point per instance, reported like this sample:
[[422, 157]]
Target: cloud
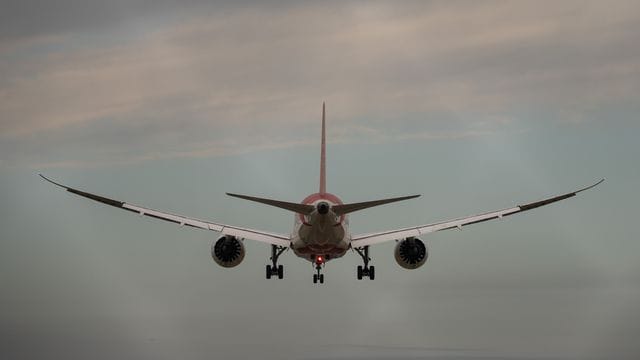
[[229, 70]]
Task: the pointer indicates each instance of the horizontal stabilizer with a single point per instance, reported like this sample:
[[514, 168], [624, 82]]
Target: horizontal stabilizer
[[349, 208], [295, 207]]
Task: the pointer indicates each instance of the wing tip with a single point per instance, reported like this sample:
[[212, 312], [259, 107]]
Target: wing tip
[[51, 181], [591, 186]]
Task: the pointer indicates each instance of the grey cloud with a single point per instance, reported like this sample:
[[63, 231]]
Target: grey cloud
[[223, 69], [32, 18], [20, 19]]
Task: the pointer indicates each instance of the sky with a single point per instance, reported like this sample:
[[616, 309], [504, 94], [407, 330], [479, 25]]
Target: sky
[[476, 105]]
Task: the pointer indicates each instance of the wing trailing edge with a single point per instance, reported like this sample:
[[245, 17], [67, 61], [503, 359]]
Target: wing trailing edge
[[240, 232], [398, 234]]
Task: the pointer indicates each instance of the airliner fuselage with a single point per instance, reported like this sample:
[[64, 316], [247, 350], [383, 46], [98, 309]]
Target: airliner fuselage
[[321, 235]]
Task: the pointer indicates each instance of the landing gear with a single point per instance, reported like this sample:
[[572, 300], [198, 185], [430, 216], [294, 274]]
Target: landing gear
[[366, 270], [275, 269], [318, 276], [369, 271]]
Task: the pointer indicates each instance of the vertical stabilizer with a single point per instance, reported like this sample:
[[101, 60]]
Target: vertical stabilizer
[[323, 173]]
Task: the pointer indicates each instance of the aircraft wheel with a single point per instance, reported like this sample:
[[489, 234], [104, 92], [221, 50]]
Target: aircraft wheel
[[268, 271], [321, 278], [359, 272], [280, 271], [372, 272], [315, 278]]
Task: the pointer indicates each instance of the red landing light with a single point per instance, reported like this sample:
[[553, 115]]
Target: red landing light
[[319, 259]]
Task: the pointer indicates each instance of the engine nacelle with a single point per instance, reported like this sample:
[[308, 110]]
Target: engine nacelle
[[411, 253], [227, 251]]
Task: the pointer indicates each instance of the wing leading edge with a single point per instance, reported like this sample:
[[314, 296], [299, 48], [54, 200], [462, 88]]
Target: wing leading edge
[[257, 235], [379, 237]]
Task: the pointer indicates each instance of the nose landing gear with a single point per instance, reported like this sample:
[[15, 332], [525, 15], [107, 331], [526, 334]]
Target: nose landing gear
[[318, 276], [366, 270]]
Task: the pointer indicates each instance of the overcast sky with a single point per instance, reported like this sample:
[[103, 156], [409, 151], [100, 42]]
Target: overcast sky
[[168, 104]]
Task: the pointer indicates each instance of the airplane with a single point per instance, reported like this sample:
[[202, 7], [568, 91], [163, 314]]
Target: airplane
[[321, 228]]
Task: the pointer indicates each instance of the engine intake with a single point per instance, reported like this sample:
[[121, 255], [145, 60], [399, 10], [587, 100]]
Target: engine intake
[[227, 251], [411, 253]]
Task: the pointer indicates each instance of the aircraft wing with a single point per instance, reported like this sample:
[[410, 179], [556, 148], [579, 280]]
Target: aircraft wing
[[257, 235], [379, 237]]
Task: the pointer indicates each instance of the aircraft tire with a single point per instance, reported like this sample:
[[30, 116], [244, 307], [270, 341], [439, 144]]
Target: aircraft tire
[[372, 272], [268, 271], [280, 271], [359, 272]]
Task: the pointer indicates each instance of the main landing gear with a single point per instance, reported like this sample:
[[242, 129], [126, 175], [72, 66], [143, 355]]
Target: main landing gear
[[275, 269], [318, 276], [366, 270]]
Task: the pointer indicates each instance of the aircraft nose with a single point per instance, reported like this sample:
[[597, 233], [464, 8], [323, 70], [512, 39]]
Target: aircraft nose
[[323, 208]]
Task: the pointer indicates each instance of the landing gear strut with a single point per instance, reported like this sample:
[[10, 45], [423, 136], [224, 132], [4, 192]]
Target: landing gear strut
[[318, 276], [275, 269], [366, 270]]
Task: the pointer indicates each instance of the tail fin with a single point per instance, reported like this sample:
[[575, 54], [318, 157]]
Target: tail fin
[[323, 164]]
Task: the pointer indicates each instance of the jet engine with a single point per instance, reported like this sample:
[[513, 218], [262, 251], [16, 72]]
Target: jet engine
[[228, 251], [411, 253]]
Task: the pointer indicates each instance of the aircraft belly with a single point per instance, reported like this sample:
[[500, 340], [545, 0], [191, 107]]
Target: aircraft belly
[[330, 240]]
